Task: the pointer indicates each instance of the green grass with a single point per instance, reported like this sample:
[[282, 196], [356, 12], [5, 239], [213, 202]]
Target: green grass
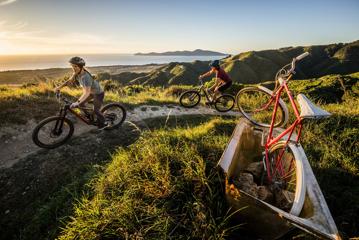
[[20, 104], [164, 186]]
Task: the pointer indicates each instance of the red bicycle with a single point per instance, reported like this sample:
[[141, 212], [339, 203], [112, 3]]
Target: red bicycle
[[265, 108]]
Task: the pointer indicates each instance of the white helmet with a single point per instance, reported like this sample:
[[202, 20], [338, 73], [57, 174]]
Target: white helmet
[[77, 61]]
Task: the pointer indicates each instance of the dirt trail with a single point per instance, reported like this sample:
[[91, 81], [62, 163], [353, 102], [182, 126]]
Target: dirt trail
[[16, 142]]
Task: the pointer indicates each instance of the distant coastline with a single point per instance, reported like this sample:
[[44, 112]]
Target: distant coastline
[[197, 52], [31, 62]]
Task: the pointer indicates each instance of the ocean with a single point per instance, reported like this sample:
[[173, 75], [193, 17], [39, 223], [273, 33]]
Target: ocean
[[32, 62]]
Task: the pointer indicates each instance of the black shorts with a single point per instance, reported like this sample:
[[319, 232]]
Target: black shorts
[[224, 86]]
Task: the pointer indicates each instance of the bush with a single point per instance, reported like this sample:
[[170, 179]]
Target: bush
[[134, 89], [102, 76], [109, 85], [176, 90]]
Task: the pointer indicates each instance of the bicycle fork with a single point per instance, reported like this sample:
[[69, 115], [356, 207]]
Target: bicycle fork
[[60, 122]]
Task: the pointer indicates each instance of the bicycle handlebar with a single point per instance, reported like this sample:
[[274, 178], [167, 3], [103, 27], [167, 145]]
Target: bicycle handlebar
[[201, 81], [301, 56], [284, 72], [58, 97]]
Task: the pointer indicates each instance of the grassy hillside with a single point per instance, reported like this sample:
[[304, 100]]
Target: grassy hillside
[[165, 184], [21, 104], [171, 188], [259, 66], [330, 144], [246, 68]]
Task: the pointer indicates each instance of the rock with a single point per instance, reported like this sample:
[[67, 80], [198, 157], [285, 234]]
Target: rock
[[265, 194], [284, 199], [7, 211], [255, 168], [245, 183]]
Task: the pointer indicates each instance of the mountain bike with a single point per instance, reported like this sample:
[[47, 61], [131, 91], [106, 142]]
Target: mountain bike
[[265, 108], [54, 131], [192, 98]]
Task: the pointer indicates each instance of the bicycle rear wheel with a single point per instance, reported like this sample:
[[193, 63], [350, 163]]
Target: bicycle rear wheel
[[257, 106], [52, 132], [224, 103], [287, 177], [115, 115], [190, 98]]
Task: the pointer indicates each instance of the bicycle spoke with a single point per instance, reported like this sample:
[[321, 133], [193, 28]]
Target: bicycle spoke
[[283, 174]]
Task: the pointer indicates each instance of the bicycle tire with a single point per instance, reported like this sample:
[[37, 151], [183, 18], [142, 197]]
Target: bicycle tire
[[255, 96], [226, 98], [36, 131], [190, 94], [121, 118], [290, 156]]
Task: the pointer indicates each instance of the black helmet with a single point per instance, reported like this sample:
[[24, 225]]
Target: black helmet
[[77, 61], [214, 63]]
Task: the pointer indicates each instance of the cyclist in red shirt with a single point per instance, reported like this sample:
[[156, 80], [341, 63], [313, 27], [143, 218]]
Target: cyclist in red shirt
[[223, 81]]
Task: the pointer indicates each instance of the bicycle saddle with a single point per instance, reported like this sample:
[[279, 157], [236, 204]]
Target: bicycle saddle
[[309, 109]]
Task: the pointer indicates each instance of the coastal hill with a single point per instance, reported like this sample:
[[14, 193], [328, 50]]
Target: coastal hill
[[197, 52], [260, 66], [247, 67]]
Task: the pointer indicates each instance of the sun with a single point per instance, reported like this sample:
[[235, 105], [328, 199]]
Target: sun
[[5, 48]]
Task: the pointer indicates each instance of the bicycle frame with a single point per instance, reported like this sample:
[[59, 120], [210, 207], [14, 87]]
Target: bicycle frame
[[64, 109], [201, 89], [297, 124]]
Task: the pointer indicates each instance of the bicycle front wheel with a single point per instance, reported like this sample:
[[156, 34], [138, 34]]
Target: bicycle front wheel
[[115, 115], [224, 103], [52, 132], [190, 98], [257, 106], [287, 177]]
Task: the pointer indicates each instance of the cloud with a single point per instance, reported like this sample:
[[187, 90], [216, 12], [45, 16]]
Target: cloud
[[6, 2]]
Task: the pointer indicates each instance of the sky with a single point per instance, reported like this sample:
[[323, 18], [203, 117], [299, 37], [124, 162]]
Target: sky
[[130, 26]]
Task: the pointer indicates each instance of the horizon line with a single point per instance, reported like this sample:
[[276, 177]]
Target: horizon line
[[133, 53]]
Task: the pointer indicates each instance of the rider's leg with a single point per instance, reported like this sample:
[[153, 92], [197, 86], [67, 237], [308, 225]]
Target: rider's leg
[[220, 89], [216, 94], [212, 90], [84, 103], [86, 100], [215, 85], [97, 103]]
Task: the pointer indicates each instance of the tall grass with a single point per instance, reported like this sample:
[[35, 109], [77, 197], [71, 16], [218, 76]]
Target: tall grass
[[163, 187]]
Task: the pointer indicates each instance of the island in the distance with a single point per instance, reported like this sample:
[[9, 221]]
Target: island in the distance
[[197, 52]]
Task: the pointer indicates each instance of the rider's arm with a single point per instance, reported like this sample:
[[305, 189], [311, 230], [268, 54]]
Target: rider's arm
[[206, 74], [72, 78]]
